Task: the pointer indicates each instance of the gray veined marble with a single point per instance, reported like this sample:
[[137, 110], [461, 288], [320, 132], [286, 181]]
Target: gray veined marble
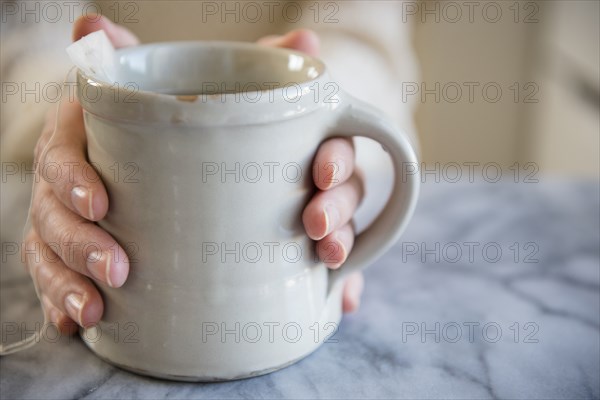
[[477, 322]]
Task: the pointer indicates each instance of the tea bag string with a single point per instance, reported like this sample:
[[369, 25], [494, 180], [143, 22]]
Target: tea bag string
[[29, 341]]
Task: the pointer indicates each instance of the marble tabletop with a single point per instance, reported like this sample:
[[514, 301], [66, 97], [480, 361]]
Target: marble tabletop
[[493, 292]]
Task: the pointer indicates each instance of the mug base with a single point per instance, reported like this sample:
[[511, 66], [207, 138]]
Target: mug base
[[332, 313], [205, 379]]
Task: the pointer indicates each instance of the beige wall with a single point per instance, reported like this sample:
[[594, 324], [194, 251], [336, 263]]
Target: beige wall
[[548, 49], [557, 56], [565, 130]]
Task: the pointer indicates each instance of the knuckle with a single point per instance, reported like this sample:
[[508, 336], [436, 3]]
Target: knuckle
[[40, 210], [54, 283], [67, 236], [48, 281], [49, 154]]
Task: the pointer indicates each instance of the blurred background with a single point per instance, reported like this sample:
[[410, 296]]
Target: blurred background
[[511, 85], [478, 82], [544, 56], [504, 82]]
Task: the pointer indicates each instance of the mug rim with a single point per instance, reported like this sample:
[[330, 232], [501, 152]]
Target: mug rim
[[322, 68], [224, 108]]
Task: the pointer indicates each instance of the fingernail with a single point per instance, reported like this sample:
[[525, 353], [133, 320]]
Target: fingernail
[[82, 199], [339, 246], [332, 218], [103, 267], [99, 265], [74, 306]]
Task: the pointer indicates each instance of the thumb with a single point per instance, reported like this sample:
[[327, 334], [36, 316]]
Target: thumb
[[303, 40], [118, 35]]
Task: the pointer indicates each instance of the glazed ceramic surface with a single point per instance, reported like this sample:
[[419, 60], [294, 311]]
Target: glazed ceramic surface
[[206, 150]]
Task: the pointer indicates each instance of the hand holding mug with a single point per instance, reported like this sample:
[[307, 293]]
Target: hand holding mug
[[64, 210]]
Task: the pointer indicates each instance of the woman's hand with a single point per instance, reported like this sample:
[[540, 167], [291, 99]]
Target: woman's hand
[[64, 248]]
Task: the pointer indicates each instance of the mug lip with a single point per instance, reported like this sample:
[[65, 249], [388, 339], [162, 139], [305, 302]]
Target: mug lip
[[321, 67], [116, 102]]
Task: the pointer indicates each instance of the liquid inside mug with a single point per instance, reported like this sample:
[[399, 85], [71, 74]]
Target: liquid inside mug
[[206, 151]]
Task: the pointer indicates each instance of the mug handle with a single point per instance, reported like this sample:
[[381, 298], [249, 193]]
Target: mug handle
[[358, 118]]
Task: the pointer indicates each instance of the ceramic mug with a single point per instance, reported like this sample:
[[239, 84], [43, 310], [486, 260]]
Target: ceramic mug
[[213, 144]]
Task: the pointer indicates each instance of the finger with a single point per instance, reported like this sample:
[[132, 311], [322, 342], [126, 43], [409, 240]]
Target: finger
[[60, 287], [331, 209], [118, 35], [62, 163], [63, 323], [303, 40], [353, 288], [334, 163], [83, 246], [74, 181], [334, 248]]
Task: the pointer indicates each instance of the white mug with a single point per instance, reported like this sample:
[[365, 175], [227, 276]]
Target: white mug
[[213, 144]]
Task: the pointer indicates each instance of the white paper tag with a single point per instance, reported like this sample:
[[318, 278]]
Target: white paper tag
[[94, 54]]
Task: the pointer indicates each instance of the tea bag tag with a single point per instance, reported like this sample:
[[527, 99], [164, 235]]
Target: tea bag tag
[[94, 54]]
